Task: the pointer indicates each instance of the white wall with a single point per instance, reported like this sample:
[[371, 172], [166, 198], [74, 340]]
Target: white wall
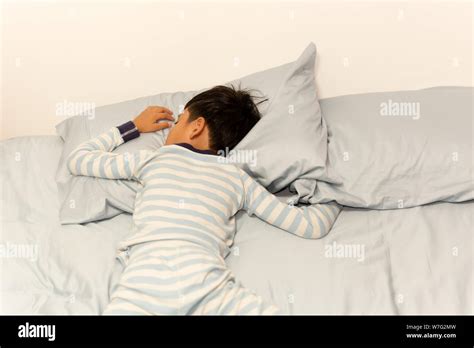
[[108, 51]]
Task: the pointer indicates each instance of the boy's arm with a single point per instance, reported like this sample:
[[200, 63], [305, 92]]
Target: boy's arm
[[94, 157], [313, 221]]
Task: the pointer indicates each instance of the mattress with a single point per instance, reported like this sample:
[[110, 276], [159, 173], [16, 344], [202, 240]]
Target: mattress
[[404, 261]]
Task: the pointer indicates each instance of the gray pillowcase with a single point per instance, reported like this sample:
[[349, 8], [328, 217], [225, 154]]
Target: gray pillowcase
[[289, 141], [397, 149]]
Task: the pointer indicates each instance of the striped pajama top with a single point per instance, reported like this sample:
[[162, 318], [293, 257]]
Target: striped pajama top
[[190, 196]]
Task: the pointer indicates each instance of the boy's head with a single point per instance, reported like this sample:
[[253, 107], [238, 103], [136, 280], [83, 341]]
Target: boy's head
[[215, 119]]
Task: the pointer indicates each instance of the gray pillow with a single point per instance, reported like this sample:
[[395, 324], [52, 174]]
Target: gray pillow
[[397, 149], [289, 141]]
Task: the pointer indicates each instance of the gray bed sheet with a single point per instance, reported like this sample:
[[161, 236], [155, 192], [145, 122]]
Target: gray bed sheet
[[406, 261]]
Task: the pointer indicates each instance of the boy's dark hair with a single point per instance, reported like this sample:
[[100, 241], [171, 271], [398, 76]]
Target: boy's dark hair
[[230, 113]]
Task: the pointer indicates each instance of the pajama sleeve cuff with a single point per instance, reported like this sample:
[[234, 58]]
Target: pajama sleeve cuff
[[128, 131]]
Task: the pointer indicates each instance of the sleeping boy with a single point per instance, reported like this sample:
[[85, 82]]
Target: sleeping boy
[[184, 214]]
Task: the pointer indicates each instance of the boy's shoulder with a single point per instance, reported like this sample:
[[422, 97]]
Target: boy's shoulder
[[196, 157]]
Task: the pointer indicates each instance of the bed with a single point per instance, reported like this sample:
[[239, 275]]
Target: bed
[[404, 261]]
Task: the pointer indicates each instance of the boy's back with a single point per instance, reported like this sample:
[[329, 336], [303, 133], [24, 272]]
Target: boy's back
[[186, 195]]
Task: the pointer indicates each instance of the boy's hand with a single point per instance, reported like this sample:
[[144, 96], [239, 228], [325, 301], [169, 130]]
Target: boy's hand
[[147, 120]]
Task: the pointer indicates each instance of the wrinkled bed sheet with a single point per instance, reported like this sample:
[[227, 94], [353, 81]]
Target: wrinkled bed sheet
[[405, 261]]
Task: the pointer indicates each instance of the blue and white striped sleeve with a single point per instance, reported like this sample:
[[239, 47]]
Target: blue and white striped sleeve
[[94, 157], [310, 221]]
